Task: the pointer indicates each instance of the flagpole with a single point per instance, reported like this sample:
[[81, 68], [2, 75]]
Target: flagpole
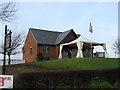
[[91, 45], [91, 30], [91, 48]]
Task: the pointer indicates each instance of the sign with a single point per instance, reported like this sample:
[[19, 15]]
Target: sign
[[6, 81], [8, 41]]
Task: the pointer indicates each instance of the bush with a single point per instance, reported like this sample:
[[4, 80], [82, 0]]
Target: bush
[[68, 78], [40, 57], [117, 84], [99, 83]]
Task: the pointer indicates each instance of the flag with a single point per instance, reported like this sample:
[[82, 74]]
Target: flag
[[90, 29]]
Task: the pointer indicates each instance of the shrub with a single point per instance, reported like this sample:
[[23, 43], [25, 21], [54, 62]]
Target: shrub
[[40, 57], [103, 78], [117, 84], [98, 83]]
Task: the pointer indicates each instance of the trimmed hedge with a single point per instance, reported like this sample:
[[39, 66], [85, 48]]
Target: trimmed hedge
[[64, 78]]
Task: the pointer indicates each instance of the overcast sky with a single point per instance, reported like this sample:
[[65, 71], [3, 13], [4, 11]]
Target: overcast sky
[[62, 16]]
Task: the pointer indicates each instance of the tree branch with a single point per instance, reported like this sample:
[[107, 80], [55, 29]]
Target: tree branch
[[7, 11]]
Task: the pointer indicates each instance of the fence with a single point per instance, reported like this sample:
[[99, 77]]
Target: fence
[[17, 61]]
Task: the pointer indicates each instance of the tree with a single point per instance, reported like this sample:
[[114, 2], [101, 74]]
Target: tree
[[16, 41], [116, 47], [7, 11]]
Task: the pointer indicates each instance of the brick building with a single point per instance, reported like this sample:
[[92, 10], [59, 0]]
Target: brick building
[[46, 42]]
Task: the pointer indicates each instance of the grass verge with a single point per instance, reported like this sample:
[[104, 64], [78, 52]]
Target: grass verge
[[79, 63]]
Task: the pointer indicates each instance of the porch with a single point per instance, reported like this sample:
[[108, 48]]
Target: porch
[[71, 52], [81, 47]]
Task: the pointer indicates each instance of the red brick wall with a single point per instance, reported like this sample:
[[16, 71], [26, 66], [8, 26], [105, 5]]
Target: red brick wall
[[30, 42], [53, 51]]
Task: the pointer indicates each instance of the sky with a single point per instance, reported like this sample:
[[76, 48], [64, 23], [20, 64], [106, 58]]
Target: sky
[[63, 16]]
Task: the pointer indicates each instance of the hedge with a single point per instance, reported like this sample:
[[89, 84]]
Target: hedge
[[64, 78]]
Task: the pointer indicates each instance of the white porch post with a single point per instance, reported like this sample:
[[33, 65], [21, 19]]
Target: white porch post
[[60, 52], [79, 52], [104, 47]]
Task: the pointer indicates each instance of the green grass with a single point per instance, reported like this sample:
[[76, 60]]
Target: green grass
[[80, 63]]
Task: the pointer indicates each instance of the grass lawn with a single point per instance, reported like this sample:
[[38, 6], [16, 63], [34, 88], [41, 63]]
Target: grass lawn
[[79, 63]]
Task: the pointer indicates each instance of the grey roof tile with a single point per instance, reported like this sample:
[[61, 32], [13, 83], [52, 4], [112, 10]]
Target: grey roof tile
[[48, 37]]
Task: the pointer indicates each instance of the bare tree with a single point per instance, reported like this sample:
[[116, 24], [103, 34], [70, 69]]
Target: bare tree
[[7, 11], [116, 47], [16, 43]]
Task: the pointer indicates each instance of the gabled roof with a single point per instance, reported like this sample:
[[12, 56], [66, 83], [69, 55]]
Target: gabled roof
[[61, 36], [48, 37]]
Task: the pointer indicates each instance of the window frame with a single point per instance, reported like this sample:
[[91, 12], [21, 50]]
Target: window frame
[[31, 50]]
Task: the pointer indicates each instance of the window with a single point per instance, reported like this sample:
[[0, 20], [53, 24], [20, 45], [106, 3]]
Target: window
[[46, 49], [31, 50]]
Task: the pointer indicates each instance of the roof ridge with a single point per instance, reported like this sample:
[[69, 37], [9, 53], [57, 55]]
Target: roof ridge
[[44, 30]]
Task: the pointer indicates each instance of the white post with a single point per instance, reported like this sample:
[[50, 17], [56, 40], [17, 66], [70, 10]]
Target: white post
[[104, 47], [79, 52], [60, 52]]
